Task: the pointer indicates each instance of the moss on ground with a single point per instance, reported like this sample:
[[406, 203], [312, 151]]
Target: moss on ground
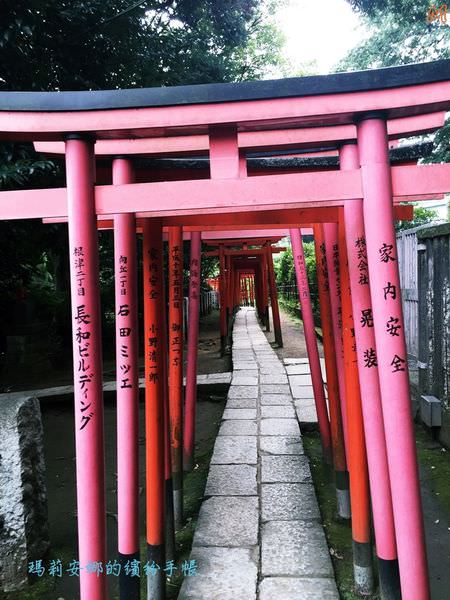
[[435, 463], [337, 531]]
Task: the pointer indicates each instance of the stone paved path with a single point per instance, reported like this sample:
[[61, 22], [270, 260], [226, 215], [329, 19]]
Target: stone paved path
[[259, 534]]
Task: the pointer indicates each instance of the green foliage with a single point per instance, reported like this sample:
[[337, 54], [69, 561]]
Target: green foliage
[[285, 274], [91, 44], [422, 216], [398, 33]]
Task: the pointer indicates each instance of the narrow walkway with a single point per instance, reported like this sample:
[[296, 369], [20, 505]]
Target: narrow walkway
[[259, 534]]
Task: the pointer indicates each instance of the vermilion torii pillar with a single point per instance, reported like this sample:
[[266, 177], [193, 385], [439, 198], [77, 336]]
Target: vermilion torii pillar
[[127, 377], [334, 282], [169, 512], [87, 362], [274, 297], [222, 301], [390, 355], [155, 387], [356, 457], [311, 343], [176, 367], [337, 435], [380, 488], [192, 350]]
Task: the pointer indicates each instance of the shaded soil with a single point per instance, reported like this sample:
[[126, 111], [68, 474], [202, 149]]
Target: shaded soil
[[16, 378], [59, 442]]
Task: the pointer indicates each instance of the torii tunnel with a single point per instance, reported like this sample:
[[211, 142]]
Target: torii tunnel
[[117, 145]]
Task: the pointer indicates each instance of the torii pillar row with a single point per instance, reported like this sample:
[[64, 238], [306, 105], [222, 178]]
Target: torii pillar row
[[380, 488], [311, 342], [391, 357]]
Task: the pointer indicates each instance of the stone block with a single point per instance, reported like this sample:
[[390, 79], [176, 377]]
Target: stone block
[[239, 449], [228, 521], [270, 388], [24, 534], [298, 369], [281, 444], [241, 403], [278, 412], [285, 469], [300, 380], [222, 574], [276, 399], [297, 588], [239, 379], [274, 378], [243, 391], [296, 549], [279, 427], [303, 391], [287, 501], [238, 427], [231, 480], [239, 413]]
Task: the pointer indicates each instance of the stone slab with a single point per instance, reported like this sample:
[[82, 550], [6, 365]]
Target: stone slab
[[274, 388], [222, 574], [297, 369], [276, 399], [244, 366], [228, 521], [287, 501], [244, 380], [279, 427], [280, 444], [241, 403], [295, 548], [295, 361], [242, 391], [239, 413], [304, 391], [296, 588], [231, 480], [238, 427], [299, 380], [306, 412], [239, 449], [285, 469], [274, 378], [278, 412]]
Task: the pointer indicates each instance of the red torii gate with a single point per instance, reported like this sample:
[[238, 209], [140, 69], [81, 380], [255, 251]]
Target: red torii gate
[[367, 104]]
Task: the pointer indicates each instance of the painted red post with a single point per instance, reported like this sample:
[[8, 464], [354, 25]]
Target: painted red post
[[222, 301], [357, 458], [176, 368], [169, 524], [380, 487], [392, 358], [265, 287], [127, 377], [274, 298], [252, 290], [154, 334], [337, 436], [311, 343], [334, 282], [87, 363], [192, 350]]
